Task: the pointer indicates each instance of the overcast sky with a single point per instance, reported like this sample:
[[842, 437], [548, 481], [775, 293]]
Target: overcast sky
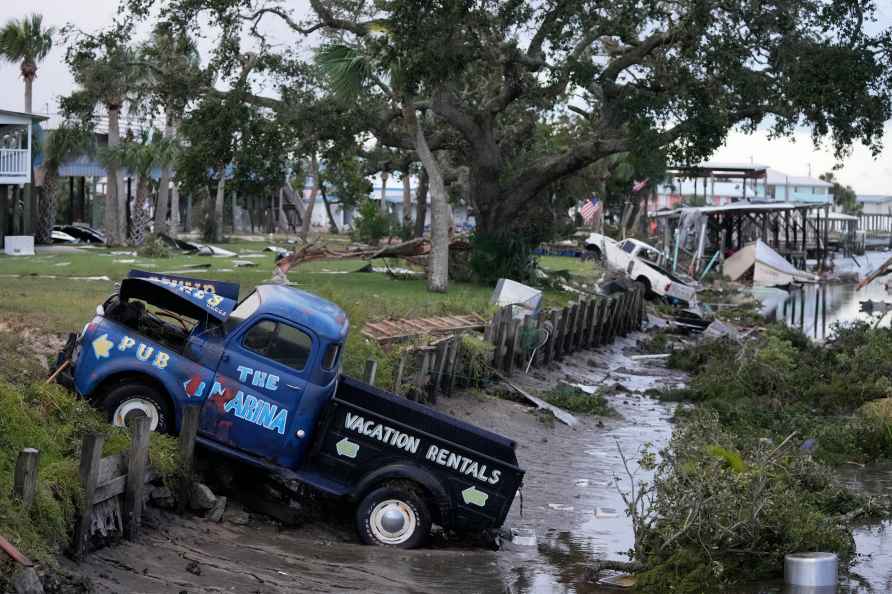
[[868, 175]]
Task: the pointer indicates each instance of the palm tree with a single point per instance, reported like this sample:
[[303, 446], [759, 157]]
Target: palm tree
[[352, 73], [63, 143], [28, 42], [107, 73], [174, 75], [140, 157]]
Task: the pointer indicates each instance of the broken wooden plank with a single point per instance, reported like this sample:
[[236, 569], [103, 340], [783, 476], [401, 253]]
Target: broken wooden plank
[[559, 413]]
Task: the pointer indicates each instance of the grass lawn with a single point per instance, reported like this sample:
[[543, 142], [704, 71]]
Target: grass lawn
[[588, 269], [64, 303]]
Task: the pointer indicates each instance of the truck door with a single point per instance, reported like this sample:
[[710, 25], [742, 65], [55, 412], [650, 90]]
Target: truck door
[[260, 380]]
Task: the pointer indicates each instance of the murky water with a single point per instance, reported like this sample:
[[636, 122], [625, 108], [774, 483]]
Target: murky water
[[816, 308]]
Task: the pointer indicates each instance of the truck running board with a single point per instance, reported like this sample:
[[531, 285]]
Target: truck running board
[[313, 479]]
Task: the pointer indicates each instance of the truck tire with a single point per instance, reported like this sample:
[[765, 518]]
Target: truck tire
[[134, 397], [393, 517]]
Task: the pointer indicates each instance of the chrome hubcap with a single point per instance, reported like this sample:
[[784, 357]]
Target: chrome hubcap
[[393, 521], [133, 407]]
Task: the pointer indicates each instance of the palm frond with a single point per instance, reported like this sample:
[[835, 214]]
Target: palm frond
[[347, 70]]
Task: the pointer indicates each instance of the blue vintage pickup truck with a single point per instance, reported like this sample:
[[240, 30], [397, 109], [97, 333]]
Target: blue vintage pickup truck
[[265, 373]]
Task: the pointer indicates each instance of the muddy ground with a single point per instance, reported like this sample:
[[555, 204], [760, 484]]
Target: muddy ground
[[570, 501]]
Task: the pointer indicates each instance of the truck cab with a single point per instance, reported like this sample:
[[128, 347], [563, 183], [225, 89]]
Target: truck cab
[[265, 373]]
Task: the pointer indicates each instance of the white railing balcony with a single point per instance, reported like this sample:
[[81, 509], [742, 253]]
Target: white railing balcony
[[15, 163]]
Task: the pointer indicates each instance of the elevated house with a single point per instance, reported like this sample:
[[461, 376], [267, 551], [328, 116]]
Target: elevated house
[[16, 140], [716, 184]]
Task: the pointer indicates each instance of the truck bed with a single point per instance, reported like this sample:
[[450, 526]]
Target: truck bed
[[368, 429]]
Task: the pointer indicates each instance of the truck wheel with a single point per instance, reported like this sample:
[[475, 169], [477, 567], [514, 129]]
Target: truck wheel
[[393, 517], [134, 398]]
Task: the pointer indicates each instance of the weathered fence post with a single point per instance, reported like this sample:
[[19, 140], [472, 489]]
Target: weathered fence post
[[552, 337], [453, 361], [501, 337], [25, 483], [137, 460], [186, 441], [398, 380], [439, 366], [370, 371], [91, 454], [514, 330], [568, 328]]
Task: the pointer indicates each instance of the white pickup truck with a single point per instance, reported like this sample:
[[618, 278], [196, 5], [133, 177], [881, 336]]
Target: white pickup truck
[[640, 262]]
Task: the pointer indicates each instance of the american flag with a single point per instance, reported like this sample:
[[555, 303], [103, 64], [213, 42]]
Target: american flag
[[639, 185], [590, 210]]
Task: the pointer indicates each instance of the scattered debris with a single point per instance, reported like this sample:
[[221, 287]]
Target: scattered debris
[[82, 232], [202, 498], [765, 266], [524, 537], [508, 292], [884, 269], [560, 507], [216, 514], [719, 329], [62, 237], [559, 413], [391, 330], [244, 264], [212, 250]]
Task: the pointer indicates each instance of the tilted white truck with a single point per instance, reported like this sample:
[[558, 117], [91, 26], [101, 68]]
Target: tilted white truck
[[640, 262]]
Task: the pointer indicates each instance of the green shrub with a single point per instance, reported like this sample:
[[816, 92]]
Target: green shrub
[[727, 512], [576, 400], [507, 255], [370, 224], [153, 247]]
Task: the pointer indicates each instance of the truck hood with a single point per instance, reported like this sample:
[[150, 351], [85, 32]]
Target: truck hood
[[191, 302]]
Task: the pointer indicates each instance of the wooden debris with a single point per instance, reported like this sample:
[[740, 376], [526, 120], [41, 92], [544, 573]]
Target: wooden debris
[[391, 330]]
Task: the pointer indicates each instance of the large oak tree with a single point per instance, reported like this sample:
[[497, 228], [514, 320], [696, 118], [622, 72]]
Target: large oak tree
[[633, 74]]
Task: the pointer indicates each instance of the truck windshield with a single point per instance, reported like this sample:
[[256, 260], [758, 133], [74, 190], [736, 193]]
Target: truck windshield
[[242, 312]]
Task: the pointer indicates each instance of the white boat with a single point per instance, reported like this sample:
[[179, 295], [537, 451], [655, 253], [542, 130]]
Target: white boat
[[768, 268]]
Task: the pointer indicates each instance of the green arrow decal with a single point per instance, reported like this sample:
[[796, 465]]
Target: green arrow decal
[[474, 496], [347, 448]]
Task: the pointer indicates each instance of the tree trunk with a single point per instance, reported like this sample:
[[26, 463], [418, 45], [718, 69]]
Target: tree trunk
[[384, 176], [332, 224], [29, 82], [311, 203], [113, 202], [174, 208], [421, 203], [164, 188], [218, 205], [141, 212], [44, 231], [438, 278], [407, 201]]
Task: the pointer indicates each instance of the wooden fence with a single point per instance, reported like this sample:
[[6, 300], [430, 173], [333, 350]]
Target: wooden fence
[[519, 343], [534, 341], [114, 487]]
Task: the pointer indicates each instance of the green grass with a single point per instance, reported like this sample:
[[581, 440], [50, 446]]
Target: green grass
[[575, 400], [53, 421], [575, 266], [64, 304]]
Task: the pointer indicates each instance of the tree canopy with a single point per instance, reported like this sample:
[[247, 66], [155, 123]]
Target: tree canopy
[[631, 75]]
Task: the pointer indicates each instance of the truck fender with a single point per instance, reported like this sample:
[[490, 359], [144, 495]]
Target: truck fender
[[410, 472], [122, 368]]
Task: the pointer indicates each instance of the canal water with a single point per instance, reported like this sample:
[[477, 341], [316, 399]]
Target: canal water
[[815, 309]]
